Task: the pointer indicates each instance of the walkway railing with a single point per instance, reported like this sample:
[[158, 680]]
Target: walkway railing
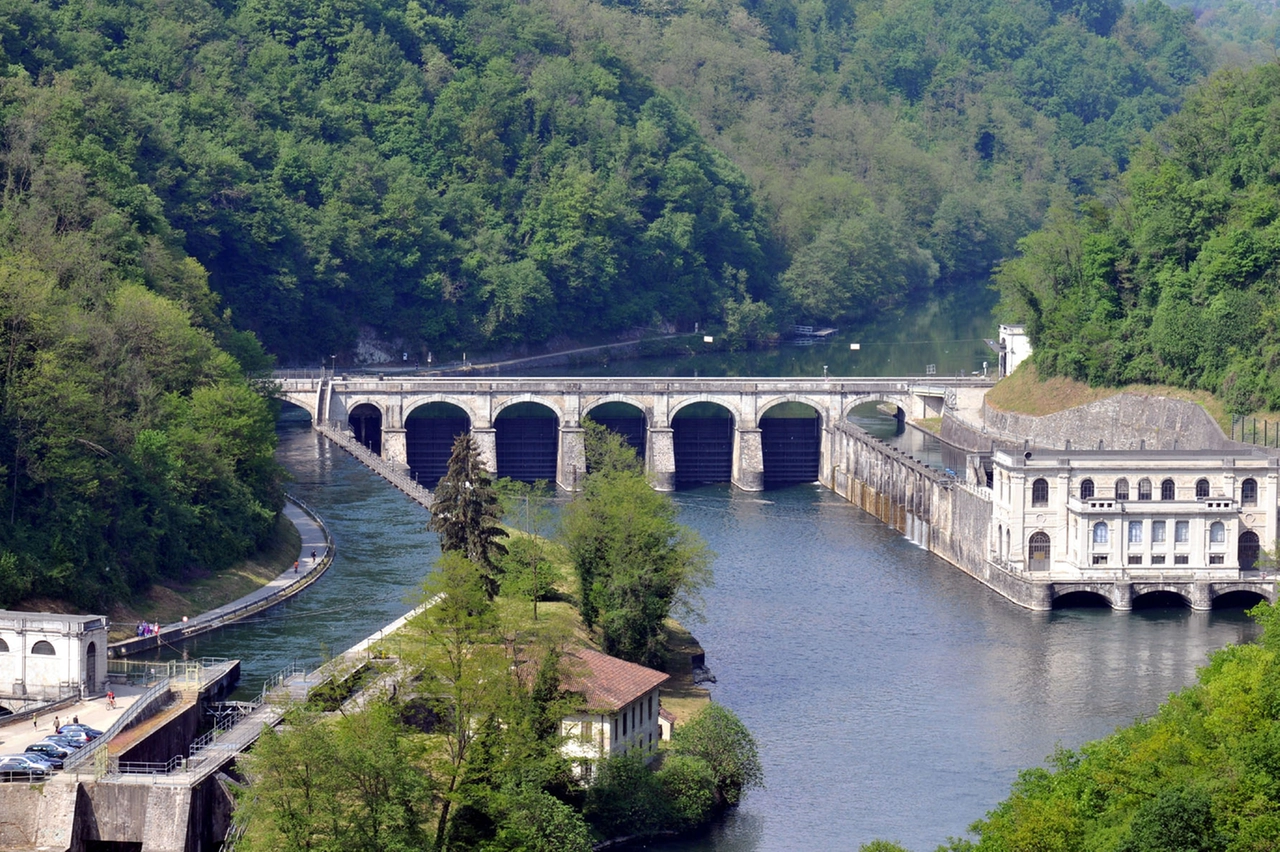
[[335, 430], [145, 705]]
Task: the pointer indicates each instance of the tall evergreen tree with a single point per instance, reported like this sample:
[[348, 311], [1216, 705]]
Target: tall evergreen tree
[[466, 511]]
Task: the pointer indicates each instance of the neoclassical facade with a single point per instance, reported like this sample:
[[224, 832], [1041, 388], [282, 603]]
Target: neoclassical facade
[[1066, 512], [48, 656]]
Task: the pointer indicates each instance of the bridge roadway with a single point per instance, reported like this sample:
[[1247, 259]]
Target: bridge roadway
[[382, 411]]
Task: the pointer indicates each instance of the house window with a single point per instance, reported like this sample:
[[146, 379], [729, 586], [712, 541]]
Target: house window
[[1157, 559], [1249, 492], [1038, 549], [1217, 559], [1135, 558], [1099, 559], [1086, 489], [624, 723], [1100, 533], [1202, 488], [1167, 490], [1144, 489], [1217, 532], [43, 647], [1135, 532], [650, 708], [1181, 559], [1157, 532], [586, 731], [1122, 489], [1182, 532], [1040, 493]]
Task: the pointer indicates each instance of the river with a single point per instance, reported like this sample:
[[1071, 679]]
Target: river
[[891, 696]]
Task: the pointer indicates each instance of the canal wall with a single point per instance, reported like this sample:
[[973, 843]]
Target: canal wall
[[936, 510]]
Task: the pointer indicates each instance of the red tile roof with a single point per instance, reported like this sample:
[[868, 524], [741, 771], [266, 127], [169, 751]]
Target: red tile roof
[[608, 683]]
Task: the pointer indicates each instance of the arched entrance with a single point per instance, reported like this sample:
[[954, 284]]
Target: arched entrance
[[528, 438], [91, 668], [366, 424], [1248, 549], [1038, 552], [791, 442], [429, 433], [703, 437], [625, 419]]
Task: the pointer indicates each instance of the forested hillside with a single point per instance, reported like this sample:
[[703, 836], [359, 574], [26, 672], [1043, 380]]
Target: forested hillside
[[1171, 278], [497, 173]]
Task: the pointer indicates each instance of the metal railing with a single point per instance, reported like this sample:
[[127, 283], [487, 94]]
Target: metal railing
[[180, 672], [335, 430], [135, 712]]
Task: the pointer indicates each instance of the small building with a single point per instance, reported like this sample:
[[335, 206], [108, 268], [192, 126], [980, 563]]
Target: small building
[[1064, 512], [619, 713], [1014, 348], [45, 657]]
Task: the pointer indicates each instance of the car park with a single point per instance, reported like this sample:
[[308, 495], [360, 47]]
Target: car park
[[54, 760], [66, 742], [76, 737], [19, 770], [93, 733], [35, 761], [48, 749]]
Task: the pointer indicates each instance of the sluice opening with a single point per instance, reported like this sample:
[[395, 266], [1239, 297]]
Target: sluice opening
[[703, 437], [528, 437], [365, 421], [1081, 600], [791, 441], [429, 433], [1161, 600], [112, 846], [624, 419], [1240, 599]]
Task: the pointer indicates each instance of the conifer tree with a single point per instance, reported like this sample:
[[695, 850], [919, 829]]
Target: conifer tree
[[466, 511]]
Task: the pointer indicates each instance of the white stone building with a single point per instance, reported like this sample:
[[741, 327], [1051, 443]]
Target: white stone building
[[1066, 512], [1014, 348], [619, 712], [48, 656]]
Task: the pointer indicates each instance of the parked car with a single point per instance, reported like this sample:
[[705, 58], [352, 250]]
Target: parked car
[[33, 760], [66, 742], [49, 748], [93, 733], [79, 737], [16, 770]]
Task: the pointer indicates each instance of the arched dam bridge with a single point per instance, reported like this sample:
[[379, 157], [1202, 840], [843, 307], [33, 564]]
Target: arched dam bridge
[[753, 432]]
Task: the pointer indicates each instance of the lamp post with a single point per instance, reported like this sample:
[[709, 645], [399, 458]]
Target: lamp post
[[333, 366]]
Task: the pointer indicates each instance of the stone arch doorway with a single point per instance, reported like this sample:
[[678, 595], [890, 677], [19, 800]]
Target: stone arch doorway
[[1248, 549], [365, 421], [625, 419], [528, 438], [91, 668], [703, 436], [1038, 552], [429, 433], [791, 443]]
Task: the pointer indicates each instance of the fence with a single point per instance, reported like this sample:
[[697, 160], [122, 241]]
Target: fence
[[181, 673], [335, 430], [1248, 430], [144, 706]]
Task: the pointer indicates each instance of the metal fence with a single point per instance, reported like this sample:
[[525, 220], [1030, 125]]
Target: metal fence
[[181, 673], [1251, 430], [135, 712], [336, 431]]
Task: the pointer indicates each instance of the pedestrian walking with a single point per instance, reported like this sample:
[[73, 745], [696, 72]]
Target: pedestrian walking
[[313, 557], [295, 566], [111, 700], [56, 726]]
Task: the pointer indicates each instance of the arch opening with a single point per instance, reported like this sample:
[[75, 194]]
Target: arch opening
[[528, 439], [791, 442], [290, 413], [365, 421], [703, 438], [1248, 550], [879, 419], [1038, 552], [1081, 600], [429, 433], [91, 666], [4, 647], [1160, 599], [43, 648], [1237, 599], [624, 419]]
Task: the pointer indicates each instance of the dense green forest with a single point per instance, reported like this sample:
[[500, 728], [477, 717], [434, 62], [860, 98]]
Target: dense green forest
[[1203, 775], [1171, 276], [437, 175]]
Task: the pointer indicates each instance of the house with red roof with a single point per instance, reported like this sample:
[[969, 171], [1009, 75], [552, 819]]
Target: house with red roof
[[619, 713]]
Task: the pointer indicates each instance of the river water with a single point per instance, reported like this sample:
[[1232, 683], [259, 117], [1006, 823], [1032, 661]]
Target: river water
[[891, 696]]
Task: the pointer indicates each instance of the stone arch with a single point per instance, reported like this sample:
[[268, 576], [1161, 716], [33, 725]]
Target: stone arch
[[703, 441], [1157, 594], [527, 439], [366, 422], [91, 667], [790, 442], [1078, 596], [1038, 551], [1229, 596], [903, 404], [623, 416], [44, 648], [501, 405], [1247, 550], [430, 430], [731, 406], [469, 403]]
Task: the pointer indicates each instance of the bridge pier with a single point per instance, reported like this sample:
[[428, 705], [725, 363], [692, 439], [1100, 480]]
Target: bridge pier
[[487, 441], [571, 459], [395, 448], [748, 459], [660, 458]]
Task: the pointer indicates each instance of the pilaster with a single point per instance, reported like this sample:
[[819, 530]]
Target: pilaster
[[571, 460], [395, 449], [487, 442], [660, 458], [748, 459]]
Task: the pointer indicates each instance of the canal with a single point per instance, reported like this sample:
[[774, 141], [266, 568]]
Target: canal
[[891, 696]]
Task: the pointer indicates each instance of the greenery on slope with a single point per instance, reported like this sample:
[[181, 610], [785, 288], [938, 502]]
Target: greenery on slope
[[1173, 280]]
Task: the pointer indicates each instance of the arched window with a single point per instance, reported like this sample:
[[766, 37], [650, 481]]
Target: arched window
[[1217, 532], [1167, 490], [1122, 489], [1000, 541], [1248, 550], [1100, 533], [1086, 489], [1144, 489], [1249, 492], [1040, 493], [4, 647], [43, 647], [1038, 550], [1202, 488]]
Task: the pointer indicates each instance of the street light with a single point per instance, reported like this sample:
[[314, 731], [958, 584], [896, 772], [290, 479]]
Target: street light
[[333, 365]]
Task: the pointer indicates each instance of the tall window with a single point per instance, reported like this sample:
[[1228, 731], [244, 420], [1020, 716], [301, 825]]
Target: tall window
[[1202, 488], [1182, 532], [1100, 533], [1157, 531], [1040, 493], [1167, 490], [1038, 549], [586, 731], [1135, 532], [1249, 492], [1086, 489], [1144, 489], [1217, 532], [1122, 489]]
